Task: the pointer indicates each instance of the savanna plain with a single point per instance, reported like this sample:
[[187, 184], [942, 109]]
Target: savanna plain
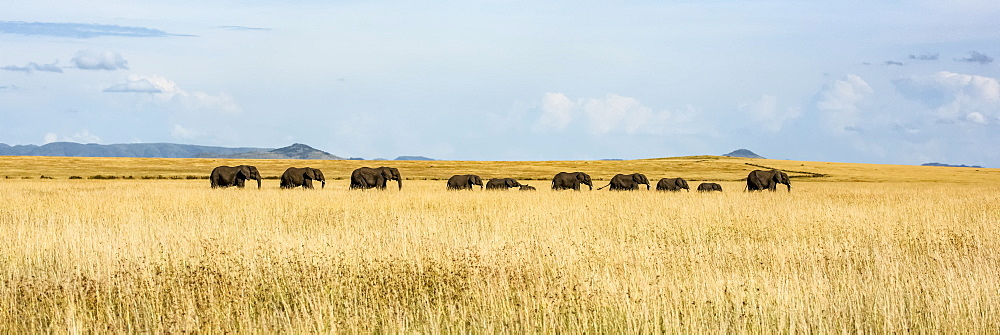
[[852, 248]]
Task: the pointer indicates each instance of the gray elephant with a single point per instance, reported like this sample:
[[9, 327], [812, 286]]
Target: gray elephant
[[709, 187], [464, 182], [759, 180], [571, 181], [502, 183], [527, 187], [295, 177], [226, 176], [366, 177], [672, 184], [627, 182]]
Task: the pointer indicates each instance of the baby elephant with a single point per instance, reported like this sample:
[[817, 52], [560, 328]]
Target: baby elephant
[[527, 187], [502, 183], [709, 187]]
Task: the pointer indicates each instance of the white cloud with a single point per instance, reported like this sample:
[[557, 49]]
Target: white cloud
[[955, 96], [97, 60], [615, 111], [32, 66], [765, 111], [82, 136], [612, 113], [140, 85], [976, 117], [167, 91], [77, 30], [222, 103], [557, 112], [841, 103], [180, 132]]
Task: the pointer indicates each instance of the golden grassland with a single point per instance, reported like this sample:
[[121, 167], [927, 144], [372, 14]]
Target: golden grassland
[[908, 249], [696, 168]]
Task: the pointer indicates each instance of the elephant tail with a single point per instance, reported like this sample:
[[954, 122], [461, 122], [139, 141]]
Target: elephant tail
[[602, 187]]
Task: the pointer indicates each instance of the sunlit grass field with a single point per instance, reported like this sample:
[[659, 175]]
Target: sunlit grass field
[[853, 248]]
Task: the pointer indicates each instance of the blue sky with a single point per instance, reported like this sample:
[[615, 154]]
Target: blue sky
[[894, 82]]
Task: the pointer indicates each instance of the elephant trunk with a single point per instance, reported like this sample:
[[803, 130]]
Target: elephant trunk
[[399, 182], [789, 187], [323, 184], [258, 182]]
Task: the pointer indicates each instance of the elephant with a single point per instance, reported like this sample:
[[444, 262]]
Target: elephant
[[709, 187], [627, 182], [502, 184], [464, 182], [527, 187], [295, 177], [366, 177], [571, 181], [226, 176], [759, 180], [672, 184]]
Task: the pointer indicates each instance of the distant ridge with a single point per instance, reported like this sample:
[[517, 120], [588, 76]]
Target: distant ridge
[[949, 165], [743, 153], [413, 158], [294, 151], [148, 150], [163, 150]]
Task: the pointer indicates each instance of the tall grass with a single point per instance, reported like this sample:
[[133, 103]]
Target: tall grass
[[174, 255]]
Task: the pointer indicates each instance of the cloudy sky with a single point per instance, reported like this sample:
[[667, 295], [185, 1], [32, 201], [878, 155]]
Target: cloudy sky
[[895, 82]]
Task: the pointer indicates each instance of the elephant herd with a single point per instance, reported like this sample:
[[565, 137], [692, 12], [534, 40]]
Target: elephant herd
[[366, 178]]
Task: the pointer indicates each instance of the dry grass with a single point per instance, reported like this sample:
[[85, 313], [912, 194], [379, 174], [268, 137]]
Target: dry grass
[[174, 255]]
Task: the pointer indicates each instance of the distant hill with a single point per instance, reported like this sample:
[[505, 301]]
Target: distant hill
[[163, 150], [413, 158], [294, 151], [949, 165], [743, 153], [149, 150]]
